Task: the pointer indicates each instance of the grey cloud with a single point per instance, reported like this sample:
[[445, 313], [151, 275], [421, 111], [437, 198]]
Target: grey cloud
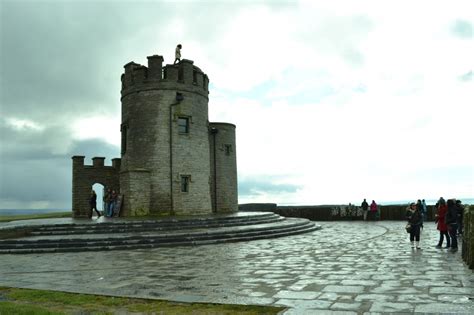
[[462, 29], [37, 175], [32, 144], [92, 148], [64, 58]]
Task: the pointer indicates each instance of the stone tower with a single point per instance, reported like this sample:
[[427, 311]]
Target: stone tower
[[173, 160]]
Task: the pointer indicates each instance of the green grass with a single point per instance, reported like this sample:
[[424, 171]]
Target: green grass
[[26, 301], [8, 218]]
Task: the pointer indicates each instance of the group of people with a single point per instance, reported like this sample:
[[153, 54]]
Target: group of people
[[110, 202], [448, 217], [373, 214]]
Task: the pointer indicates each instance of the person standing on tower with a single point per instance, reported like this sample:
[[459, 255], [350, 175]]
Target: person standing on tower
[[177, 54]]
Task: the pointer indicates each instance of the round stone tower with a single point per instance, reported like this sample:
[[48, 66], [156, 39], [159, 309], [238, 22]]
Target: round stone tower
[[165, 139], [223, 167]]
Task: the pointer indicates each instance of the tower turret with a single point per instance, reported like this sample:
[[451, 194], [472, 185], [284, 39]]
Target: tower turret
[[165, 146]]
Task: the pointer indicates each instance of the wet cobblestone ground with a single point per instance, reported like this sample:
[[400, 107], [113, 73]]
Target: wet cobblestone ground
[[346, 267]]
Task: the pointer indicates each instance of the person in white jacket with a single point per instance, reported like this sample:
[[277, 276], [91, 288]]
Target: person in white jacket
[[177, 53]]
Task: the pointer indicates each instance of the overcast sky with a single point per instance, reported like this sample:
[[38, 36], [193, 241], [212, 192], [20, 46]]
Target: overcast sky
[[334, 101]]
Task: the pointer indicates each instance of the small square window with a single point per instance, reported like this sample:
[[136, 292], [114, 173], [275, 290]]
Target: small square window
[[228, 149], [185, 179], [183, 125]]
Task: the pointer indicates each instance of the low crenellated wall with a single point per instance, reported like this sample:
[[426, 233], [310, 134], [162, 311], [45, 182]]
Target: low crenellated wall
[[334, 212]]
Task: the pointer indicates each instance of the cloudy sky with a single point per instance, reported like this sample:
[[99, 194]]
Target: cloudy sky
[[334, 101]]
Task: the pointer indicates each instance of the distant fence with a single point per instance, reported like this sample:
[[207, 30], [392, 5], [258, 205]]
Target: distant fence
[[334, 212]]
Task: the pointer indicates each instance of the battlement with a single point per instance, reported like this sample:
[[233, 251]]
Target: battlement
[[181, 75], [97, 162]]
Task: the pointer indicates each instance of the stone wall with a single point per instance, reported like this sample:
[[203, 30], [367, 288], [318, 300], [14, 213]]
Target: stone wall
[[333, 212], [135, 188], [152, 104], [85, 176], [158, 155], [468, 236], [223, 161]]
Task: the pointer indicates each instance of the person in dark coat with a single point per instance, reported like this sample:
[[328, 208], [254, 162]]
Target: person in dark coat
[[93, 204], [442, 227], [452, 223], [365, 208], [414, 218]]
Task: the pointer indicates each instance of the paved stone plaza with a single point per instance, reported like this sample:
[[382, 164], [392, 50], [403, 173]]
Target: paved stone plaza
[[353, 267]]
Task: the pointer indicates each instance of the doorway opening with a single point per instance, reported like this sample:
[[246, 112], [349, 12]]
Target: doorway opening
[[99, 191]]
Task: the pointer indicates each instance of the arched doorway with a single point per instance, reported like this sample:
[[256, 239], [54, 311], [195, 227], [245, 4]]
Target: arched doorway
[[99, 190]]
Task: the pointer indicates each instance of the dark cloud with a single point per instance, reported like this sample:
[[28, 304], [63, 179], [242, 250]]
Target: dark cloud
[[253, 187], [462, 29], [61, 61], [25, 144], [34, 175], [63, 58]]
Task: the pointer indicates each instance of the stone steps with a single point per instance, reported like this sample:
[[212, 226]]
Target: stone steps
[[144, 226], [129, 238]]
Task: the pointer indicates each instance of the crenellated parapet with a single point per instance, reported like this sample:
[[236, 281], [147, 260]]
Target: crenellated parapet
[[85, 176], [184, 76], [97, 162]]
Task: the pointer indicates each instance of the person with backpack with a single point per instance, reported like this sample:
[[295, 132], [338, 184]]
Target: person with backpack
[[452, 223]]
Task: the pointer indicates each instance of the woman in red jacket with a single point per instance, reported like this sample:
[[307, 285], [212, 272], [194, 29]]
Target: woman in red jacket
[[442, 226]]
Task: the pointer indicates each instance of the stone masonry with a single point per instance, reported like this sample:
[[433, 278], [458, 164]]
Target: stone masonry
[[173, 160], [85, 176]]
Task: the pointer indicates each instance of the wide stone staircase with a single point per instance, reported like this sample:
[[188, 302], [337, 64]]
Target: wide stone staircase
[[128, 234]]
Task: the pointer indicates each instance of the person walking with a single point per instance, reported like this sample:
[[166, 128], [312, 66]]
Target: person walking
[[93, 204], [365, 208], [413, 216], [452, 223], [177, 53], [442, 227]]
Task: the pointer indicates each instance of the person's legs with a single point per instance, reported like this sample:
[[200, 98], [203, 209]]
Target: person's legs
[[448, 239], [111, 211], [417, 236], [441, 238], [454, 240]]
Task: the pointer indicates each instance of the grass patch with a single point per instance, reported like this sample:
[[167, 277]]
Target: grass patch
[[27, 301], [8, 218]]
